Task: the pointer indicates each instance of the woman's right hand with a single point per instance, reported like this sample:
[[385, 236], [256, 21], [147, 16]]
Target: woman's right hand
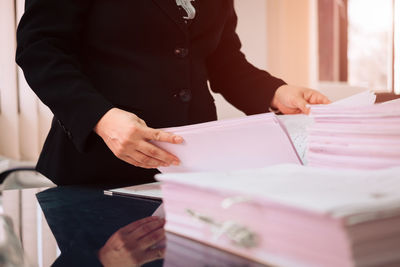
[[128, 136]]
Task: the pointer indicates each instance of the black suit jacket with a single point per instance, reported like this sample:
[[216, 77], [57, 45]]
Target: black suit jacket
[[83, 57]]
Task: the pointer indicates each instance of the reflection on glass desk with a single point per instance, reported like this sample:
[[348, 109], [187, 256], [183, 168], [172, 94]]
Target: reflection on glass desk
[[82, 224]]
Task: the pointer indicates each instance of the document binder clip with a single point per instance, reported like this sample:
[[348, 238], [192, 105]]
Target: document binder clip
[[239, 235]]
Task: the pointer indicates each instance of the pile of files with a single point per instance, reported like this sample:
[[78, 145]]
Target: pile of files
[[242, 143], [356, 137], [290, 215]]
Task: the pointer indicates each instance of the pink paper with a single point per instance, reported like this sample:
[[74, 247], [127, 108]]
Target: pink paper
[[248, 142], [355, 137]]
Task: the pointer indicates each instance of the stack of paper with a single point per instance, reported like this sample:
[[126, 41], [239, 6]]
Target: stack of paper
[[290, 215], [296, 126], [248, 142], [358, 137]]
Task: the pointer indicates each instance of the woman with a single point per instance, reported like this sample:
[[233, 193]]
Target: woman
[[114, 71]]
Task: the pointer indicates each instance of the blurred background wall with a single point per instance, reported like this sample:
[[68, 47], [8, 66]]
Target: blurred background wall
[[278, 36]]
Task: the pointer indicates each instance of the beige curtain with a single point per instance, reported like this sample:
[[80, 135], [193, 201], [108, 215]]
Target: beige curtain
[[24, 120]]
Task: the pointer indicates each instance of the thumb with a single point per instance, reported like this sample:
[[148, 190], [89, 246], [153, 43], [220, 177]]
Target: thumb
[[158, 135], [301, 104]]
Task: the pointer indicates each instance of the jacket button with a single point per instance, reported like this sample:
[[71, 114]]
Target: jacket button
[[181, 52], [184, 95]]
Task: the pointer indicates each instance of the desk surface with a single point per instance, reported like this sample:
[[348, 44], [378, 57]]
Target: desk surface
[[66, 226]]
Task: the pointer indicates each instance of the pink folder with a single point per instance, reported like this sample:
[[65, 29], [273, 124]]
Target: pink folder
[[290, 215], [248, 142]]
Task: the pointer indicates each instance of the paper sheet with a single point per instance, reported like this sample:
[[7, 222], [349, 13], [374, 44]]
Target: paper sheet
[[296, 126], [248, 142], [361, 99], [159, 212]]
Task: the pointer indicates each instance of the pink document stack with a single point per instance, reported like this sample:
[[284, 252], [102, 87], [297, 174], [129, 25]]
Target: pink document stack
[[290, 215], [366, 137], [248, 142]]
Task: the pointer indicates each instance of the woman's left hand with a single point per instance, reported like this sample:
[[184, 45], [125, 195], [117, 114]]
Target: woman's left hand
[[294, 100]]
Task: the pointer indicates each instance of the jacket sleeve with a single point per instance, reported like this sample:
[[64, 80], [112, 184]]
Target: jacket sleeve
[[48, 44], [77, 257], [246, 87]]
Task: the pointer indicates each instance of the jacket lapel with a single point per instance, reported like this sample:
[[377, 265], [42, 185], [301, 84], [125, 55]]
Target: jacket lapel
[[170, 8]]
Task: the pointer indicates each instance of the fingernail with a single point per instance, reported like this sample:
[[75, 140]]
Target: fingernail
[[176, 163], [165, 165], [178, 139]]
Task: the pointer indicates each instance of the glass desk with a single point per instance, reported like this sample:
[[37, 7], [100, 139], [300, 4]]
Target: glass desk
[[68, 226]]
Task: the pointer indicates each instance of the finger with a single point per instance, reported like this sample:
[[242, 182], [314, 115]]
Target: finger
[[301, 104], [307, 94], [152, 239], [146, 160], [131, 161], [315, 97], [136, 163], [145, 229], [160, 244], [132, 226], [319, 99], [154, 254], [161, 136], [158, 153], [131, 157], [325, 100], [286, 110]]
